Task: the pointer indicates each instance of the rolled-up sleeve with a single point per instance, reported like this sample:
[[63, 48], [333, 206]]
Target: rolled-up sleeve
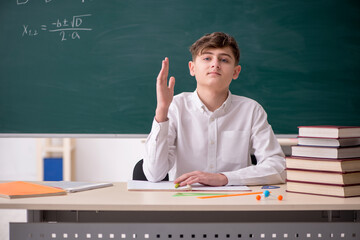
[[158, 154]]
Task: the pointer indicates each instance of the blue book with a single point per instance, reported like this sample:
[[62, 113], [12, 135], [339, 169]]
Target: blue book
[[53, 169]]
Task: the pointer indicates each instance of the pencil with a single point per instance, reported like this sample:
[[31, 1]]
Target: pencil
[[231, 195]]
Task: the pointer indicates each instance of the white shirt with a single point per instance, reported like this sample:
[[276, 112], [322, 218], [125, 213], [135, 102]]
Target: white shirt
[[195, 138]]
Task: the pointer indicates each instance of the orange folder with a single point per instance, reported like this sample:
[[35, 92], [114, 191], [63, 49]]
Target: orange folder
[[21, 189]]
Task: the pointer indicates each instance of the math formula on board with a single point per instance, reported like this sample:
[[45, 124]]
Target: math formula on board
[[67, 28], [20, 2]]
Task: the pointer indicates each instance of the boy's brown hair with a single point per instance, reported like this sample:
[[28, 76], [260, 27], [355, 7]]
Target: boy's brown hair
[[215, 40]]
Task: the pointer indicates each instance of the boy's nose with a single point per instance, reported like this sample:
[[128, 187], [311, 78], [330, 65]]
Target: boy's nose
[[216, 64]]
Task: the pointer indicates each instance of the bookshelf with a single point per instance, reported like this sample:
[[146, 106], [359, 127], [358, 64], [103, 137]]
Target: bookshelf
[[56, 147]]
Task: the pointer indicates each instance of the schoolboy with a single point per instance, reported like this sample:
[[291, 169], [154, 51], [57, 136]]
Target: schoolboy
[[207, 136]]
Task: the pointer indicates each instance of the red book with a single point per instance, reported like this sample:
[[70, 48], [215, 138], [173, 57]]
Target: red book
[[328, 131]]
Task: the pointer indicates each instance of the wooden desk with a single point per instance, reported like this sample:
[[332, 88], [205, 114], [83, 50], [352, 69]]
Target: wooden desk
[[114, 212]]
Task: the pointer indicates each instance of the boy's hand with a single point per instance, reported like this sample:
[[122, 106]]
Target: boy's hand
[[210, 179], [164, 93]]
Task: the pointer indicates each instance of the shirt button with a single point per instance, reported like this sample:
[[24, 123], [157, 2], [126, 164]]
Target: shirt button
[[212, 119], [211, 142], [211, 166]]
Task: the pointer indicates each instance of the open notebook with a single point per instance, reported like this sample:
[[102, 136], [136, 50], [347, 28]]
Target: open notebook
[[76, 186], [135, 185]]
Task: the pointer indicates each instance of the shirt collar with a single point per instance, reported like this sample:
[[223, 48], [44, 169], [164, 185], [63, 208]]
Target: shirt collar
[[226, 105], [201, 106], [198, 103]]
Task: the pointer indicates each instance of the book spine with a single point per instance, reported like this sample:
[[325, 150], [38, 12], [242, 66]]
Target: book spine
[[325, 184], [321, 171]]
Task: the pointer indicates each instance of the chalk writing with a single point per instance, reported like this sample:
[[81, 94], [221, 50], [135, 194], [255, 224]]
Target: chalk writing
[[67, 29], [22, 2]]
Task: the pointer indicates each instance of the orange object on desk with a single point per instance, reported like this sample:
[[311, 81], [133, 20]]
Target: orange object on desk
[[20, 189]]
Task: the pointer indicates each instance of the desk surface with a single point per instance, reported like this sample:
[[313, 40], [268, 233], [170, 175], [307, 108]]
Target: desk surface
[[118, 198]]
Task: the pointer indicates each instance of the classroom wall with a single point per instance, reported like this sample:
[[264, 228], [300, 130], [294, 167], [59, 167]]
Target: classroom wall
[[97, 159], [107, 159], [17, 159]]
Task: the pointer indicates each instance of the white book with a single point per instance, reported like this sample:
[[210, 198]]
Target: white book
[[135, 185], [328, 142], [77, 186], [326, 152], [329, 131]]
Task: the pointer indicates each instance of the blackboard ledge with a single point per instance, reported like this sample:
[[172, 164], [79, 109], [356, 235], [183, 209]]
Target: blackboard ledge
[[290, 138], [70, 135]]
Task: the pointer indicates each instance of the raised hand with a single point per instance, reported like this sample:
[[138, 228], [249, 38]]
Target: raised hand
[[164, 92]]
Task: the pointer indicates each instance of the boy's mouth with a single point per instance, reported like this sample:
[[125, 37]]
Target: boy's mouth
[[214, 73]]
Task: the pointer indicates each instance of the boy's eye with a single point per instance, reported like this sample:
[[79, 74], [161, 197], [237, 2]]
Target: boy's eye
[[206, 58], [224, 60]]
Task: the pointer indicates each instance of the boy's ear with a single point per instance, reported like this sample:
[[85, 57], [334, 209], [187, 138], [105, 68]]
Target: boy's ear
[[236, 72], [191, 68]]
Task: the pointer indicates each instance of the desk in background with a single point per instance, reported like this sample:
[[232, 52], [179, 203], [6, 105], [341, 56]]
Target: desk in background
[[115, 213]]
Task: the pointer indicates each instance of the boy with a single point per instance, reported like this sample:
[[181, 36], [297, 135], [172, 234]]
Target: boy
[[206, 136]]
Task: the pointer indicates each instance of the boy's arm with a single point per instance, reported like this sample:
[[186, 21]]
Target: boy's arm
[[159, 156]]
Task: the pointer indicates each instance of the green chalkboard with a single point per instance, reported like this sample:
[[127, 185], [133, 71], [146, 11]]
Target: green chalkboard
[[90, 66]]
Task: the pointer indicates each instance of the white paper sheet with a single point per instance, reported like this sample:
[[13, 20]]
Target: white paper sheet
[[134, 185]]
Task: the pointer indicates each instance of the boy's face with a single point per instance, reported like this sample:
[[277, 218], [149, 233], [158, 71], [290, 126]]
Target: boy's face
[[214, 69]]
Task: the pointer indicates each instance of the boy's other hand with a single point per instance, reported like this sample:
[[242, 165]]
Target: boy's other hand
[[210, 179], [164, 92]]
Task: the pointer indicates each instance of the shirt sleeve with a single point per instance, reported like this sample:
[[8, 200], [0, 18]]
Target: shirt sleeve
[[159, 154], [270, 168]]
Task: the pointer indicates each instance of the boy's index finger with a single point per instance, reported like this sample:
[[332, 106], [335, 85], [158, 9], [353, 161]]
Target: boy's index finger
[[180, 180], [166, 68], [162, 77]]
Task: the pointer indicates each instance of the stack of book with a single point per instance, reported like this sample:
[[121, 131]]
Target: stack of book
[[326, 161]]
